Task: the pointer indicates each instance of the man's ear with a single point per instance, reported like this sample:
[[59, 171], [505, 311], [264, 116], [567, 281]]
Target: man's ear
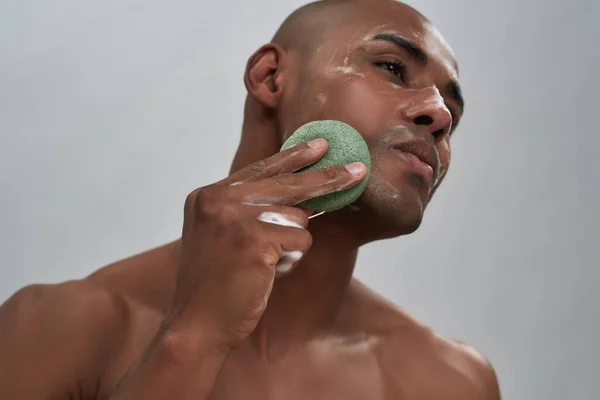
[[263, 78]]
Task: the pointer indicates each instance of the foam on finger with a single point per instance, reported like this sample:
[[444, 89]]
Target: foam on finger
[[278, 219], [288, 258]]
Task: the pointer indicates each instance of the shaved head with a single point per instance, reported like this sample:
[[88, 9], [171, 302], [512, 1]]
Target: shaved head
[[379, 66], [306, 26]]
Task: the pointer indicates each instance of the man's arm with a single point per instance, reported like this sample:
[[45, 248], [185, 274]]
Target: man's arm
[[225, 275], [175, 366], [55, 340], [58, 341]]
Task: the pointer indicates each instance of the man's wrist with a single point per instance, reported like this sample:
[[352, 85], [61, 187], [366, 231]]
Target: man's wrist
[[191, 348]]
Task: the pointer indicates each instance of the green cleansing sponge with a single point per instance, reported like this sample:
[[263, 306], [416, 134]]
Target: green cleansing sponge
[[345, 146]]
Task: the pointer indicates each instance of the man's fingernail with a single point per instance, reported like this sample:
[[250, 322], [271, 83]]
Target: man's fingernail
[[356, 168], [317, 143]]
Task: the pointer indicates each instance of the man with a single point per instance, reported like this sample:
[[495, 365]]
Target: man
[[208, 316]]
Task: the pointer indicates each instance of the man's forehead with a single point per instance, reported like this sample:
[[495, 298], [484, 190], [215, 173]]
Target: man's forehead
[[410, 28], [365, 19]]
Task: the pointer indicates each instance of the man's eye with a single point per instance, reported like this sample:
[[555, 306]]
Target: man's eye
[[394, 68]]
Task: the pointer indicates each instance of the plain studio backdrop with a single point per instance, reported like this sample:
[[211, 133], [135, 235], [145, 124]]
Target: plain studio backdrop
[[112, 112]]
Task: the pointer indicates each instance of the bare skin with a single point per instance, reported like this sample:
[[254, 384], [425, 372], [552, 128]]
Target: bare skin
[[208, 316]]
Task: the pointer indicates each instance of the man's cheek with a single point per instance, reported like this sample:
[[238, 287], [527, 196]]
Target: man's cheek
[[444, 152], [354, 102]]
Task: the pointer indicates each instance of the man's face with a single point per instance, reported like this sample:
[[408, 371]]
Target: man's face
[[391, 76]]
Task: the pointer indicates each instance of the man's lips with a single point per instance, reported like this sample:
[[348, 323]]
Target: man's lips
[[422, 156]]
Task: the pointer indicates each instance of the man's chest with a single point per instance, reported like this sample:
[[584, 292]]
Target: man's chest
[[354, 378], [330, 375], [331, 386], [324, 369], [321, 370], [303, 382]]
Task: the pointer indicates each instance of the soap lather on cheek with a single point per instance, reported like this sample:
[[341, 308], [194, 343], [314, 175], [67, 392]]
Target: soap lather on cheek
[[347, 68], [288, 258], [444, 151]]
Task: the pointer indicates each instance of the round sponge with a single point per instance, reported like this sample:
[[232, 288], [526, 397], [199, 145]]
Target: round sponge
[[345, 146]]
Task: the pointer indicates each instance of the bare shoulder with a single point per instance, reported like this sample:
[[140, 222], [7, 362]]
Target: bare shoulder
[[443, 366], [57, 338], [417, 362]]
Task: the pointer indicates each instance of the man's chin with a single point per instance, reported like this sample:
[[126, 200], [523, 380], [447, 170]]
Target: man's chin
[[391, 226], [378, 219]]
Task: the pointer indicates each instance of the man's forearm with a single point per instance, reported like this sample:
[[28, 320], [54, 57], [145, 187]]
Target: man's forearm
[[173, 368]]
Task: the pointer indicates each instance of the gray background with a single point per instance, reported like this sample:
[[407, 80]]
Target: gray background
[[111, 112]]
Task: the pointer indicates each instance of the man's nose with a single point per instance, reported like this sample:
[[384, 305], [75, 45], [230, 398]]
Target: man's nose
[[428, 108]]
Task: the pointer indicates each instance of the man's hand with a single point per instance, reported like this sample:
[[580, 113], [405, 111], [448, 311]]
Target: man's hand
[[229, 253], [227, 267]]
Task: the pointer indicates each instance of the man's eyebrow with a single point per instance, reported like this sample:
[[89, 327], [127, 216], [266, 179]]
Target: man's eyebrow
[[415, 51]]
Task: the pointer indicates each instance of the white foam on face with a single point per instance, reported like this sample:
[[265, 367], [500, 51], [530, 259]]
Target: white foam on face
[[374, 32], [436, 97], [322, 99], [346, 68], [416, 33], [288, 258], [444, 148], [382, 194], [347, 71], [439, 178], [407, 134]]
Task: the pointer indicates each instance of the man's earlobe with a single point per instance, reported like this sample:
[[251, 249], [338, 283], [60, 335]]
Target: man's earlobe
[[263, 78]]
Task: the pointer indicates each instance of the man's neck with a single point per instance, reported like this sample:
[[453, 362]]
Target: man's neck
[[307, 301]]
